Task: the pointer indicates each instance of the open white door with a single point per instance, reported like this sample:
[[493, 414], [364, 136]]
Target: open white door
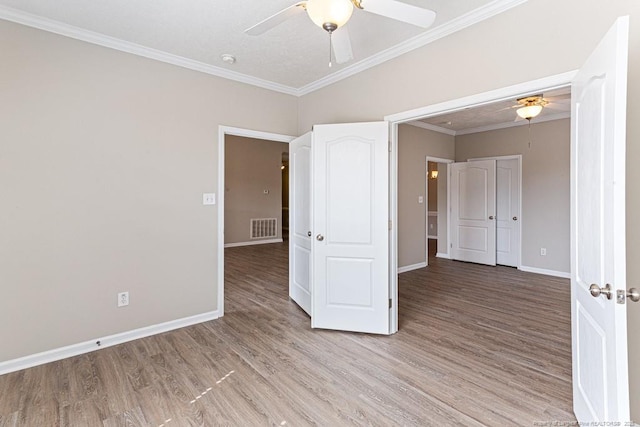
[[351, 227], [473, 211], [599, 325], [300, 221]]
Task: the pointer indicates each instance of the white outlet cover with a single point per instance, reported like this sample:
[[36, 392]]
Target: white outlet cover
[[420, 199], [123, 299], [208, 198]]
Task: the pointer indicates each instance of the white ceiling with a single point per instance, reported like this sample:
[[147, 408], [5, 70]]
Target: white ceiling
[[498, 115], [292, 58]]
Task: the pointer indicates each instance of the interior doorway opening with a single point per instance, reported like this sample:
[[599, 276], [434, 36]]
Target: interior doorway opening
[[401, 120], [223, 133], [437, 189]]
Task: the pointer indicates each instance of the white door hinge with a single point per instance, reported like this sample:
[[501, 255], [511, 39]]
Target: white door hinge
[[390, 225]]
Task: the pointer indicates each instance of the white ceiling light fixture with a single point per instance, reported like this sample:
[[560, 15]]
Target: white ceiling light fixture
[[329, 14], [531, 106], [529, 112]]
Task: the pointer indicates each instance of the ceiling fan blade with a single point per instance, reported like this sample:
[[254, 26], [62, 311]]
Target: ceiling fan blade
[[342, 45], [400, 11], [275, 20]]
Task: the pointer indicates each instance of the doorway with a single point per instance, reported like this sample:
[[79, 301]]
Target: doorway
[[223, 132], [504, 94], [437, 188]]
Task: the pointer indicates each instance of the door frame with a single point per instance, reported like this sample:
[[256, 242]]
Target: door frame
[[223, 131], [426, 204], [506, 93], [517, 157]]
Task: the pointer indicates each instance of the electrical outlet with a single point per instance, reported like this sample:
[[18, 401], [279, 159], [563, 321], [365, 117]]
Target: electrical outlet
[[123, 299], [543, 251], [420, 199]]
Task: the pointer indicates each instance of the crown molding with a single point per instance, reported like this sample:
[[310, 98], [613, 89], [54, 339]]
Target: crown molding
[[464, 21], [24, 18], [494, 8], [429, 126]]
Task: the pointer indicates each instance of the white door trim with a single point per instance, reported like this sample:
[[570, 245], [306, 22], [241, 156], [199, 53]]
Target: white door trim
[[426, 204], [510, 92], [247, 133], [517, 157]]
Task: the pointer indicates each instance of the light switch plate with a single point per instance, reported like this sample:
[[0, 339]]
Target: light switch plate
[[420, 199], [208, 198]]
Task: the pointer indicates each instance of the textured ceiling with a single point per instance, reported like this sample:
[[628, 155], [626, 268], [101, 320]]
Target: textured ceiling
[[499, 114], [294, 54]]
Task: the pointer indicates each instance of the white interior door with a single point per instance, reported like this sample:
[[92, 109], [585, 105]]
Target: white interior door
[[473, 211], [300, 221], [508, 212], [599, 325], [351, 227]]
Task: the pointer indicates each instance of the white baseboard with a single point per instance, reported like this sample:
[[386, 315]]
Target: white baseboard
[[546, 272], [443, 255], [411, 267], [108, 341], [254, 242]]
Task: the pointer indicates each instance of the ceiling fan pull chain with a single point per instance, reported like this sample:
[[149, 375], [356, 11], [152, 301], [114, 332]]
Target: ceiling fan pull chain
[[330, 47]]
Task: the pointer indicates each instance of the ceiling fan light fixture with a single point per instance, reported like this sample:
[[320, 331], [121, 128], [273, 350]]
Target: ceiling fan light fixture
[[529, 112], [336, 13]]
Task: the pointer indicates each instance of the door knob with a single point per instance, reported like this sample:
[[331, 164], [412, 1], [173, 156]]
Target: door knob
[[515, 218], [490, 216], [309, 233], [633, 294], [319, 237], [596, 291]]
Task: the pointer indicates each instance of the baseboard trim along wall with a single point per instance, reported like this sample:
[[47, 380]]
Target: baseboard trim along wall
[[255, 242], [411, 267], [108, 341], [546, 272], [442, 255]]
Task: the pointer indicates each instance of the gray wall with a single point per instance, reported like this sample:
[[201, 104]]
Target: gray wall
[[545, 185], [414, 145], [103, 162], [251, 166], [493, 54]]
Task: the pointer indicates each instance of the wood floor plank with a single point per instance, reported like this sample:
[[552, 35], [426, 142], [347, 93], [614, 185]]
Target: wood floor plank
[[477, 346]]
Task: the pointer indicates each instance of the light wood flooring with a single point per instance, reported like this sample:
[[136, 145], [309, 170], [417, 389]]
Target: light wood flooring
[[477, 346]]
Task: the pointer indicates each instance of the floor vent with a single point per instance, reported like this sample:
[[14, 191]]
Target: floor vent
[[264, 227]]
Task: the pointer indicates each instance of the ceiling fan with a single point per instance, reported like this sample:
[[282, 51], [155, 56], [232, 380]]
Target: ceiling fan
[[331, 15], [531, 106]]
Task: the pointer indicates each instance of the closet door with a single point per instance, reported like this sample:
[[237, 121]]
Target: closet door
[[473, 211]]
